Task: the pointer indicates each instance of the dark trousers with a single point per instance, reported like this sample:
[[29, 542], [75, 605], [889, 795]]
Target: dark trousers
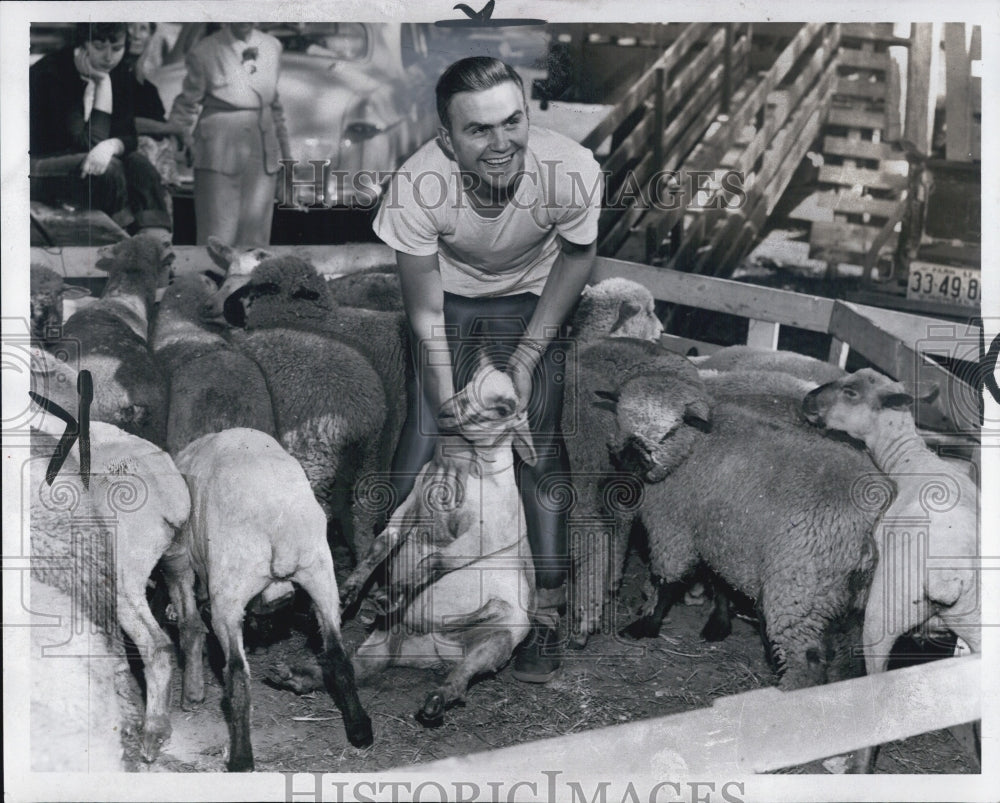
[[497, 324], [129, 191]]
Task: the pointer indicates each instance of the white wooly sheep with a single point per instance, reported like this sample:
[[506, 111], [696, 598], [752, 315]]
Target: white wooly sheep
[[460, 579], [934, 500], [115, 531], [255, 521], [615, 307], [749, 358]]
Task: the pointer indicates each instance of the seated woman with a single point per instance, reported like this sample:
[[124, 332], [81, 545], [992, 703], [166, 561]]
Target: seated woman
[[83, 136]]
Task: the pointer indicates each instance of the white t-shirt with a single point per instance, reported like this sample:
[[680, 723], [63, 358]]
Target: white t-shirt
[[426, 212]]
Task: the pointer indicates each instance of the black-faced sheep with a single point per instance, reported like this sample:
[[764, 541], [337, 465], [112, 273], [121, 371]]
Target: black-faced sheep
[[212, 385], [933, 500], [330, 411], [113, 333], [461, 580], [782, 514], [48, 291], [288, 293], [114, 532], [255, 521]]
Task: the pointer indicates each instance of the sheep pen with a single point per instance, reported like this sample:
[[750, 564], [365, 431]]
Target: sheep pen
[[611, 682]]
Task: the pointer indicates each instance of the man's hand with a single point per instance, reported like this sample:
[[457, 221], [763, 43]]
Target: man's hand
[[96, 162]]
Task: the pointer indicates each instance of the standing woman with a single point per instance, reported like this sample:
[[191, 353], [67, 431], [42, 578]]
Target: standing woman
[[239, 136]]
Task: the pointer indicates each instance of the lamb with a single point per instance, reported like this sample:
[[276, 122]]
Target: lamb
[[782, 514], [76, 720], [287, 292], [461, 580], [129, 389], [330, 414], [212, 385], [602, 491], [616, 307], [47, 295], [748, 358], [115, 523], [933, 500], [254, 521], [370, 289]]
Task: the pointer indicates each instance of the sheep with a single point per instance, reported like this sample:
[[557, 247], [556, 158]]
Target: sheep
[[933, 500], [330, 414], [748, 358], [602, 492], [76, 719], [461, 580], [47, 295], [212, 385], [782, 514], [287, 292], [129, 389], [370, 289], [116, 523], [254, 521], [615, 307]]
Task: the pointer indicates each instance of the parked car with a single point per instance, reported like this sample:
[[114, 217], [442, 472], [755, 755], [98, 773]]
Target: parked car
[[357, 95]]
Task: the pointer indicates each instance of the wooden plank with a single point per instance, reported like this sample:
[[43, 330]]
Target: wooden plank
[[893, 125], [839, 352], [763, 334], [862, 60], [887, 236], [875, 31], [833, 242], [857, 118], [753, 732], [722, 295], [643, 86], [860, 148], [861, 88], [330, 260], [823, 204], [958, 108], [855, 176], [957, 401], [916, 126]]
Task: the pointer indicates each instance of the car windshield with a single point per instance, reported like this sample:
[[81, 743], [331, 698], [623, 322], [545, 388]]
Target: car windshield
[[347, 41]]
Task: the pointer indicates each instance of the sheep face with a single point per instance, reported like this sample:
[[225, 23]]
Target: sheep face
[[278, 289], [485, 412], [186, 295], [138, 266], [658, 421], [616, 307], [854, 403], [237, 267]]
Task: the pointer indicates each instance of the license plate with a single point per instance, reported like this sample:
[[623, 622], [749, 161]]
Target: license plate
[[930, 281]]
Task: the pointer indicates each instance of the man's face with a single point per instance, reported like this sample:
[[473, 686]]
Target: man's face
[[241, 30], [105, 55], [487, 135]]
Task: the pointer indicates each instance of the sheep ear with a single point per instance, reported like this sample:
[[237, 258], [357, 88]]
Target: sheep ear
[[216, 277], [931, 394], [523, 443], [896, 401], [305, 294], [698, 413], [606, 400], [627, 310], [220, 253]]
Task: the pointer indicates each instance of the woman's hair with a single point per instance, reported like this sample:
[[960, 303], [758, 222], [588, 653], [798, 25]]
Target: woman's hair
[[473, 74], [99, 32]]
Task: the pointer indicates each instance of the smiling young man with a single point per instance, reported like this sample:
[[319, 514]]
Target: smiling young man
[[494, 225]]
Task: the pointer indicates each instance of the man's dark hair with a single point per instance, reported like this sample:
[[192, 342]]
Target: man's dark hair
[[473, 74], [99, 32]]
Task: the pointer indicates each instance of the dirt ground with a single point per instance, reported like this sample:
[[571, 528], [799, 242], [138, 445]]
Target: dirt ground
[[612, 681]]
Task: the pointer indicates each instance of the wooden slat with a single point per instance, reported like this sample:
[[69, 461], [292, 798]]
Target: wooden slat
[[876, 31], [862, 60], [857, 118], [836, 242], [853, 176], [824, 204], [643, 86], [893, 126], [887, 236], [753, 732], [916, 126], [763, 334], [872, 90], [721, 295], [330, 260], [860, 148], [957, 400], [958, 109]]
